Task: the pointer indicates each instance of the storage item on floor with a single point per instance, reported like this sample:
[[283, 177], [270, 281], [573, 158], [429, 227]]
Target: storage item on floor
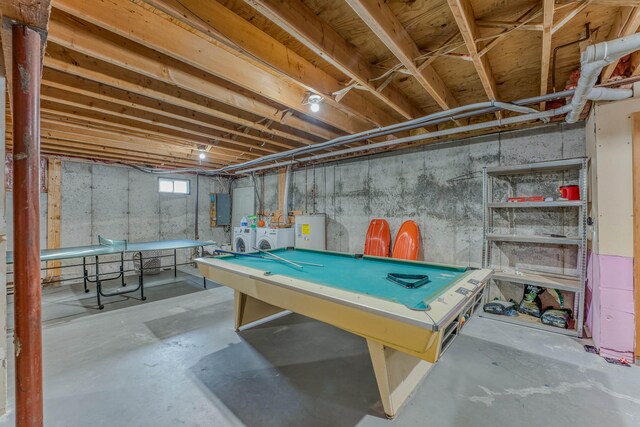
[[505, 232], [274, 238], [244, 239], [407, 243], [504, 308], [310, 232], [378, 239]]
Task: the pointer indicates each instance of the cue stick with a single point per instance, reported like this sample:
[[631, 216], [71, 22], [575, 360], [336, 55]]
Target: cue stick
[[277, 257], [261, 257]]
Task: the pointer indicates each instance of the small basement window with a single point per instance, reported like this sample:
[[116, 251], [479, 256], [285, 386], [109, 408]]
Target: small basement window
[[176, 186]]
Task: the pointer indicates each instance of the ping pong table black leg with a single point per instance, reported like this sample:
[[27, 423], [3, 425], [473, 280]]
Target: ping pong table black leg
[[201, 254], [175, 263], [86, 273], [122, 269], [98, 285], [141, 278]]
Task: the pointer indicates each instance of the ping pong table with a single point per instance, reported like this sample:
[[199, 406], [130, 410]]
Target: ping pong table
[[117, 247]]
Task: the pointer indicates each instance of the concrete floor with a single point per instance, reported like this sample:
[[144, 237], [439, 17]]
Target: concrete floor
[[175, 360]]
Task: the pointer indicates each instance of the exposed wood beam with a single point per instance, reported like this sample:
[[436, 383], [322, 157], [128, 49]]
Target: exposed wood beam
[[626, 23], [465, 19], [494, 40], [215, 20], [532, 26], [379, 18], [579, 7], [95, 135], [196, 133], [83, 67], [32, 13], [64, 108], [54, 203], [548, 8], [142, 26], [99, 44], [299, 21], [60, 81]]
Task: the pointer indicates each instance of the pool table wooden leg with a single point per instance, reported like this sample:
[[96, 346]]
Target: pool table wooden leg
[[397, 374], [248, 309]]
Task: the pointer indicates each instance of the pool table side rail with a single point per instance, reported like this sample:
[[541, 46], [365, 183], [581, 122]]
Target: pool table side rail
[[442, 309]]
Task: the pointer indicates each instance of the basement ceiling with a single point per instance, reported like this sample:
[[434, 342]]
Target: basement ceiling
[[155, 82]]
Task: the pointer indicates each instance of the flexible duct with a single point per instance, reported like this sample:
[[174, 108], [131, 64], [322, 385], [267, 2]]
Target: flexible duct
[[593, 60]]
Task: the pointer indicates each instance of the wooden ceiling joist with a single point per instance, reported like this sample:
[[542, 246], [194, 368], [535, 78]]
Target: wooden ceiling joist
[[171, 96], [98, 44], [306, 27], [141, 26], [71, 84], [94, 135], [142, 118], [548, 7], [384, 24], [125, 122], [465, 19], [214, 19]]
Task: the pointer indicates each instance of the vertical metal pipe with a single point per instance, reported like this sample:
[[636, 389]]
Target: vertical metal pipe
[[26, 216]]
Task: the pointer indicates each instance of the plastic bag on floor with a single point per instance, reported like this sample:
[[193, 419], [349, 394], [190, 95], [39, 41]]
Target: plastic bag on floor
[[506, 308], [530, 303]]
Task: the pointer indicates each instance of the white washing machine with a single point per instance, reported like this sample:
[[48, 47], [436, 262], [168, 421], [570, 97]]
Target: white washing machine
[[273, 238], [244, 239]]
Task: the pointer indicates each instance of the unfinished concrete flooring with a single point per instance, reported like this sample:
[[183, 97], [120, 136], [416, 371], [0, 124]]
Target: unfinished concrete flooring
[[175, 360]]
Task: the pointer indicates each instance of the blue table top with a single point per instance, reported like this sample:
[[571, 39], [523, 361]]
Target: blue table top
[[366, 275], [94, 250]]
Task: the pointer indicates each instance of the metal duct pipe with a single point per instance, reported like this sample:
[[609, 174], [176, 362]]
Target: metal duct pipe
[[439, 117], [593, 60], [478, 126]]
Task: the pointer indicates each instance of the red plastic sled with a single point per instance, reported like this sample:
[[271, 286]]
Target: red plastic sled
[[407, 244], [378, 240]]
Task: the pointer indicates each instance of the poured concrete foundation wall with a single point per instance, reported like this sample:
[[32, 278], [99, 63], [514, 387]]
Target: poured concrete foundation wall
[[124, 203], [440, 187]]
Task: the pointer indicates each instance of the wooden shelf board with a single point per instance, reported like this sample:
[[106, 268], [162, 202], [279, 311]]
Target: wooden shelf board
[[529, 321], [564, 283]]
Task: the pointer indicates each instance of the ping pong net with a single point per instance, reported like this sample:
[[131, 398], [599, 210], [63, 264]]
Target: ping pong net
[[118, 245]]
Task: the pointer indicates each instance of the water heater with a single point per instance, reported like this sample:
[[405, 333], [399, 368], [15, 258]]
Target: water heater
[[311, 232]]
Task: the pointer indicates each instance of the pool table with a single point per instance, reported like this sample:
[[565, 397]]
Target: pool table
[[406, 329]]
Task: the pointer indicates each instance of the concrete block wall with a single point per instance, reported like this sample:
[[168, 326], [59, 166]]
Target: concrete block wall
[[124, 203], [439, 187]]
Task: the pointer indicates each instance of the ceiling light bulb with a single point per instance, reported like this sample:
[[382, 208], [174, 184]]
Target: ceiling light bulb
[[201, 155], [315, 107]]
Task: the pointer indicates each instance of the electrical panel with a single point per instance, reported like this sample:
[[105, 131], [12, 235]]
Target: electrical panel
[[220, 209]]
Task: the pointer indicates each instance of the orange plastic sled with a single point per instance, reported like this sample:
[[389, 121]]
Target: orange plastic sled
[[407, 244], [378, 240]]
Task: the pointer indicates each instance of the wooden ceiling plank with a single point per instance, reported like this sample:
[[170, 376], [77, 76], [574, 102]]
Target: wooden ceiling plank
[[141, 144], [120, 136], [300, 22], [177, 98], [214, 19], [548, 8], [116, 96], [206, 138], [627, 23], [126, 122], [384, 24], [96, 44], [531, 26], [150, 30], [465, 19], [579, 7]]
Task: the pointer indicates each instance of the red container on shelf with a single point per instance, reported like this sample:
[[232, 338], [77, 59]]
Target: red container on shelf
[[570, 192]]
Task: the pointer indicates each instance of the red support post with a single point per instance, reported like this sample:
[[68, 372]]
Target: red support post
[[26, 221]]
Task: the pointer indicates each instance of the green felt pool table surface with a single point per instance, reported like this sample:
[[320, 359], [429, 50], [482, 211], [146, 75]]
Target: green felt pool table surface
[[365, 275]]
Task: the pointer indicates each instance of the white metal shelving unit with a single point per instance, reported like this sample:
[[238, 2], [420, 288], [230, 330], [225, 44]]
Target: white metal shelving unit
[[573, 284]]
